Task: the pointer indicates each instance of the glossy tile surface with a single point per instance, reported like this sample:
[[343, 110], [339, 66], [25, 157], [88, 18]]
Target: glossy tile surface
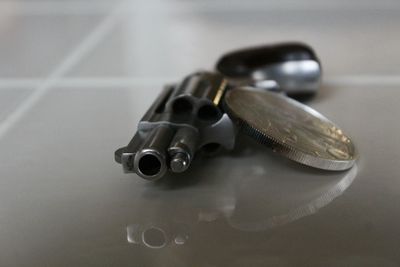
[[10, 99], [65, 202], [168, 38], [32, 45]]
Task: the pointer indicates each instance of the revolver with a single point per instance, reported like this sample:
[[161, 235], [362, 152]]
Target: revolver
[[183, 119], [189, 116]]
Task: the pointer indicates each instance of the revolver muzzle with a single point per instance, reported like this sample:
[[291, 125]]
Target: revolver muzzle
[[151, 159]]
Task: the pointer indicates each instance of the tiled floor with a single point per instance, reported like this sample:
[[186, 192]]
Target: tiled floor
[[75, 78]]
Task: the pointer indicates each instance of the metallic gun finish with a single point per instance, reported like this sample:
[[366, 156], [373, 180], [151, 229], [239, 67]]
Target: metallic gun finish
[[151, 160], [199, 94], [183, 119], [182, 149], [291, 67], [203, 86]]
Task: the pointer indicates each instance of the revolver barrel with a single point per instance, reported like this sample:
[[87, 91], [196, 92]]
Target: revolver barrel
[[151, 160]]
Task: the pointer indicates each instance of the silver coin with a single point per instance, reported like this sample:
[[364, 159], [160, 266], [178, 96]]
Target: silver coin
[[291, 128]]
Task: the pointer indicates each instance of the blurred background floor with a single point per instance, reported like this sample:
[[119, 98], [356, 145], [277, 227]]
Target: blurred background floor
[[76, 77]]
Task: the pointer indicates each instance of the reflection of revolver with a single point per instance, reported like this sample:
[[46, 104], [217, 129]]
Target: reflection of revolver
[[189, 117], [183, 119]]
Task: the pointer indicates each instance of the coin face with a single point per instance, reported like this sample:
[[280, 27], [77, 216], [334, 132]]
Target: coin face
[[290, 128]]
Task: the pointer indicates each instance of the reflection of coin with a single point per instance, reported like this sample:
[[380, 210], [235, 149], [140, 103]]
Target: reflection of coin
[[291, 129]]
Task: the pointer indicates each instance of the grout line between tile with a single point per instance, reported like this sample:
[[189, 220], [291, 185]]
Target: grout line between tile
[[86, 82], [57, 7], [69, 61], [237, 5], [87, 7], [364, 80], [124, 81]]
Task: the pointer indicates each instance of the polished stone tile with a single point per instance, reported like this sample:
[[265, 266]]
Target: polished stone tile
[[10, 100], [66, 202], [33, 45], [172, 39]]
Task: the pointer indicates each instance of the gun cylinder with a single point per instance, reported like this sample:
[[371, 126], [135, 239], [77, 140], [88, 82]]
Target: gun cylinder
[[207, 85], [182, 149], [151, 160], [199, 93]]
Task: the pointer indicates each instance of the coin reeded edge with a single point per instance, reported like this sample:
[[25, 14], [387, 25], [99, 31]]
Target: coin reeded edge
[[286, 150]]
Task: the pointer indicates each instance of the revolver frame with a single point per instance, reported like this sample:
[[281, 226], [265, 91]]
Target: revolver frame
[[183, 119]]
